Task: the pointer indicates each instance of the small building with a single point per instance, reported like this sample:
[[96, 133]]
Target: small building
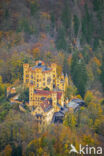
[[58, 117], [79, 101], [74, 104]]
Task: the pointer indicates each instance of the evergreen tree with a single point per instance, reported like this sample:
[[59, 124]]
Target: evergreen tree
[[87, 25], [76, 25], [66, 15], [79, 74], [60, 40], [34, 8]]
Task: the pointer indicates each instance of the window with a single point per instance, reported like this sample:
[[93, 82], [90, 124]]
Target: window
[[48, 80], [31, 82], [27, 80], [43, 84], [27, 75]]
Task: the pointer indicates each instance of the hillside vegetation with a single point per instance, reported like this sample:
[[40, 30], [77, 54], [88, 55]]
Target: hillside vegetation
[[71, 34], [55, 31]]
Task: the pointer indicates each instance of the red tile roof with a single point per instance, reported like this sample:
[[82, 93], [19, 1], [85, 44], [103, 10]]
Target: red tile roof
[[43, 92], [45, 104], [46, 92], [59, 94]]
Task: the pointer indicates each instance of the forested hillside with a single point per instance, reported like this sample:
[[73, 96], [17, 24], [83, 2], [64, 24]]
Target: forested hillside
[[71, 34], [55, 31], [75, 21]]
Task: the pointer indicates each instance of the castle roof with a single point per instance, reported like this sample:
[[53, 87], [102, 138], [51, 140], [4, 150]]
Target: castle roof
[[46, 105], [46, 93], [59, 94], [40, 66]]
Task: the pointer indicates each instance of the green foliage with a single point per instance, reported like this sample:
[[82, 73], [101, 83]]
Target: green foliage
[[24, 96], [70, 120], [88, 97], [102, 73], [34, 8], [98, 4], [87, 25], [66, 15], [24, 25], [86, 53], [14, 125], [17, 151], [60, 40], [76, 25], [13, 69], [46, 88], [71, 91], [53, 20], [6, 13], [79, 73], [4, 108], [2, 90]]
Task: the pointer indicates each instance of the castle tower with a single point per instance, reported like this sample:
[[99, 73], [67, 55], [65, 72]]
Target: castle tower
[[66, 82], [26, 73], [54, 100], [54, 73], [31, 94]]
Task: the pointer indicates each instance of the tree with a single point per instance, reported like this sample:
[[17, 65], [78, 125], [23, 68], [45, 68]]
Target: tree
[[76, 25], [102, 73], [71, 89], [46, 88], [0, 79], [87, 25], [8, 150], [66, 15], [79, 73], [36, 53], [33, 8], [88, 97], [60, 40], [69, 120], [24, 96]]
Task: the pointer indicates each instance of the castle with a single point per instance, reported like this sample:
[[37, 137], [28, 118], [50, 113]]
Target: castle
[[46, 89], [42, 76]]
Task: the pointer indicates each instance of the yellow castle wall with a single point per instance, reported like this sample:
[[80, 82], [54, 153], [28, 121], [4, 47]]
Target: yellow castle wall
[[42, 80]]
